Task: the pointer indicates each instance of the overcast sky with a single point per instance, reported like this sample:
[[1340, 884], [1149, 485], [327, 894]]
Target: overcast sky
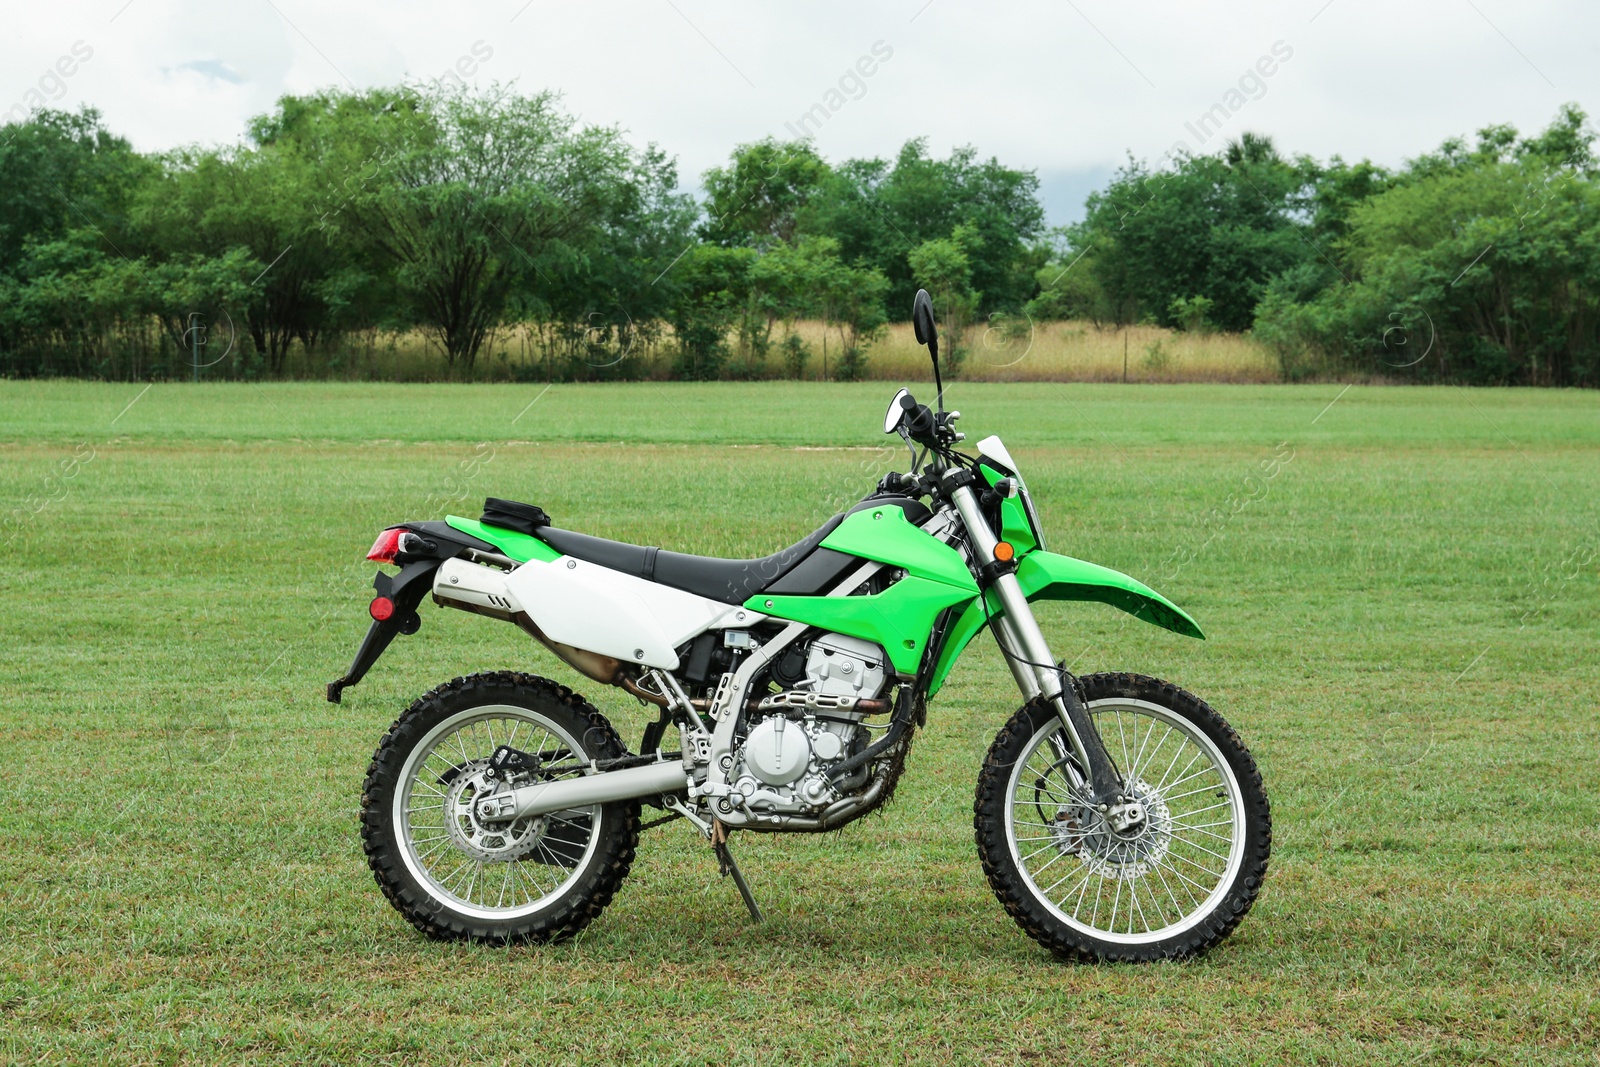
[[1065, 88]]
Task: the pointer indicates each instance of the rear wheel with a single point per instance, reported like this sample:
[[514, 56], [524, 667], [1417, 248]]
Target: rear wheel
[[1171, 886], [456, 875]]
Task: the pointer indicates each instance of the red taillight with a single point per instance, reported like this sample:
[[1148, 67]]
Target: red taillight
[[384, 548], [381, 608]]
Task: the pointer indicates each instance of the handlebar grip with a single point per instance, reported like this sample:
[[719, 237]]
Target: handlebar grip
[[895, 482], [920, 425]]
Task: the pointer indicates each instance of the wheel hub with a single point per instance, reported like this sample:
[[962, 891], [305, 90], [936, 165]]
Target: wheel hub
[[487, 840], [1083, 830]]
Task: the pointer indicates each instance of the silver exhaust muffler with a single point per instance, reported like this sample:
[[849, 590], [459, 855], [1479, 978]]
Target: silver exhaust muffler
[[475, 588], [542, 798]]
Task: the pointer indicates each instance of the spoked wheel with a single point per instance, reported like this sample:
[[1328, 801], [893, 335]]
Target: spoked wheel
[[1172, 885], [455, 874]]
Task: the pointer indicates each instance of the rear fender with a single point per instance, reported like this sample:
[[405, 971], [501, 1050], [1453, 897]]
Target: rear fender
[[405, 590], [1048, 576]]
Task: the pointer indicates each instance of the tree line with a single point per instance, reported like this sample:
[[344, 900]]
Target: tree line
[[343, 217], [1478, 262]]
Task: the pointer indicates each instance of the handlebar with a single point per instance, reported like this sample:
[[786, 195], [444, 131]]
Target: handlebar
[[928, 429], [900, 484], [918, 421], [935, 432]]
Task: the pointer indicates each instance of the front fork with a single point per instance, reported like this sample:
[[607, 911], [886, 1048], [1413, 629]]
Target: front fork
[[1034, 667]]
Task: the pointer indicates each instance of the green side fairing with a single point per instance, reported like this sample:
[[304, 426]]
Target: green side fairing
[[901, 617], [519, 546], [884, 534]]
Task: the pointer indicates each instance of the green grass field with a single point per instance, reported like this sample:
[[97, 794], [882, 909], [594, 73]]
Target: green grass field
[[1403, 623]]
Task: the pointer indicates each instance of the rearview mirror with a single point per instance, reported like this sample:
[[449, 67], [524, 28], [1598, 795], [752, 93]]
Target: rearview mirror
[[928, 334], [922, 320], [896, 412]]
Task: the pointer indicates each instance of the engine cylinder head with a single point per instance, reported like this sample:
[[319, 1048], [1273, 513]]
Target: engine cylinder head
[[844, 666]]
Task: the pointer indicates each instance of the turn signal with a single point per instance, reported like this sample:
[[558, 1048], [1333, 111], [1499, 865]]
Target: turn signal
[[1004, 552], [381, 608], [383, 550]]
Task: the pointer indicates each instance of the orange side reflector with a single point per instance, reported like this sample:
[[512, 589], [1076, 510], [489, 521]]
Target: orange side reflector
[[1004, 552]]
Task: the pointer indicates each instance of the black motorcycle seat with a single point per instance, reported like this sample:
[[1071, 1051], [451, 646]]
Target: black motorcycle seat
[[731, 581]]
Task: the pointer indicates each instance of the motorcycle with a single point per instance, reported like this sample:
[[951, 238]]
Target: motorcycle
[[1117, 817]]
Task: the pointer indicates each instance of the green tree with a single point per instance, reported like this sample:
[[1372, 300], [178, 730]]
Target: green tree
[[1191, 314], [850, 300], [757, 198], [66, 186], [795, 280], [608, 302], [263, 199], [856, 310], [880, 212], [713, 286], [81, 313], [1068, 284], [1478, 265], [943, 266], [478, 199], [64, 172], [1217, 227]]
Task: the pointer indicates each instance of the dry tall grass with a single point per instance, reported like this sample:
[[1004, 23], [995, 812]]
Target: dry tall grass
[[1016, 351], [1076, 352]]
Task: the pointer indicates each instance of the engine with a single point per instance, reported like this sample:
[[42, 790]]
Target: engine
[[797, 735]]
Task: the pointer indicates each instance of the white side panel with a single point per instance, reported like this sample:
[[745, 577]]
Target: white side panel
[[589, 607]]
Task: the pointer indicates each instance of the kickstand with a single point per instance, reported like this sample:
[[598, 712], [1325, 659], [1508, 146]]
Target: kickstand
[[727, 865]]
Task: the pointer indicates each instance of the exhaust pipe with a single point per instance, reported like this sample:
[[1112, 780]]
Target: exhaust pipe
[[475, 588], [542, 798]]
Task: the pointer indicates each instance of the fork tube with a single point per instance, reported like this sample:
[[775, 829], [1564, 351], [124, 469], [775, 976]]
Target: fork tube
[[1025, 641], [1027, 681]]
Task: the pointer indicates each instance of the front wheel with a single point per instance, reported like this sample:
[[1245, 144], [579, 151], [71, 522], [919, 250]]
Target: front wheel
[[1171, 886], [455, 874]]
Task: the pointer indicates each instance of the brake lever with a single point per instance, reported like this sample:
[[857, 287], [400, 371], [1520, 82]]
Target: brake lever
[[944, 426]]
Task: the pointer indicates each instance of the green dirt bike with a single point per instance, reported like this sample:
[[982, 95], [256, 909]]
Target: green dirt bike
[[1118, 817]]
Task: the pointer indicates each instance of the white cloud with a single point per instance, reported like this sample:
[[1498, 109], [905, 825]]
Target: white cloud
[[1065, 88]]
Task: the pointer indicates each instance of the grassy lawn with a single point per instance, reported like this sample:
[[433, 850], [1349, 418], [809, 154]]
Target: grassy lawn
[[1403, 624]]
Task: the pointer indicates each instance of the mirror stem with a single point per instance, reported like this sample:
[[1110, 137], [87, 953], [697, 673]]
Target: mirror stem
[[938, 381]]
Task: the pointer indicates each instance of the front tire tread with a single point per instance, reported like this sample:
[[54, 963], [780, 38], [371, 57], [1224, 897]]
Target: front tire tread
[[1019, 901]]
